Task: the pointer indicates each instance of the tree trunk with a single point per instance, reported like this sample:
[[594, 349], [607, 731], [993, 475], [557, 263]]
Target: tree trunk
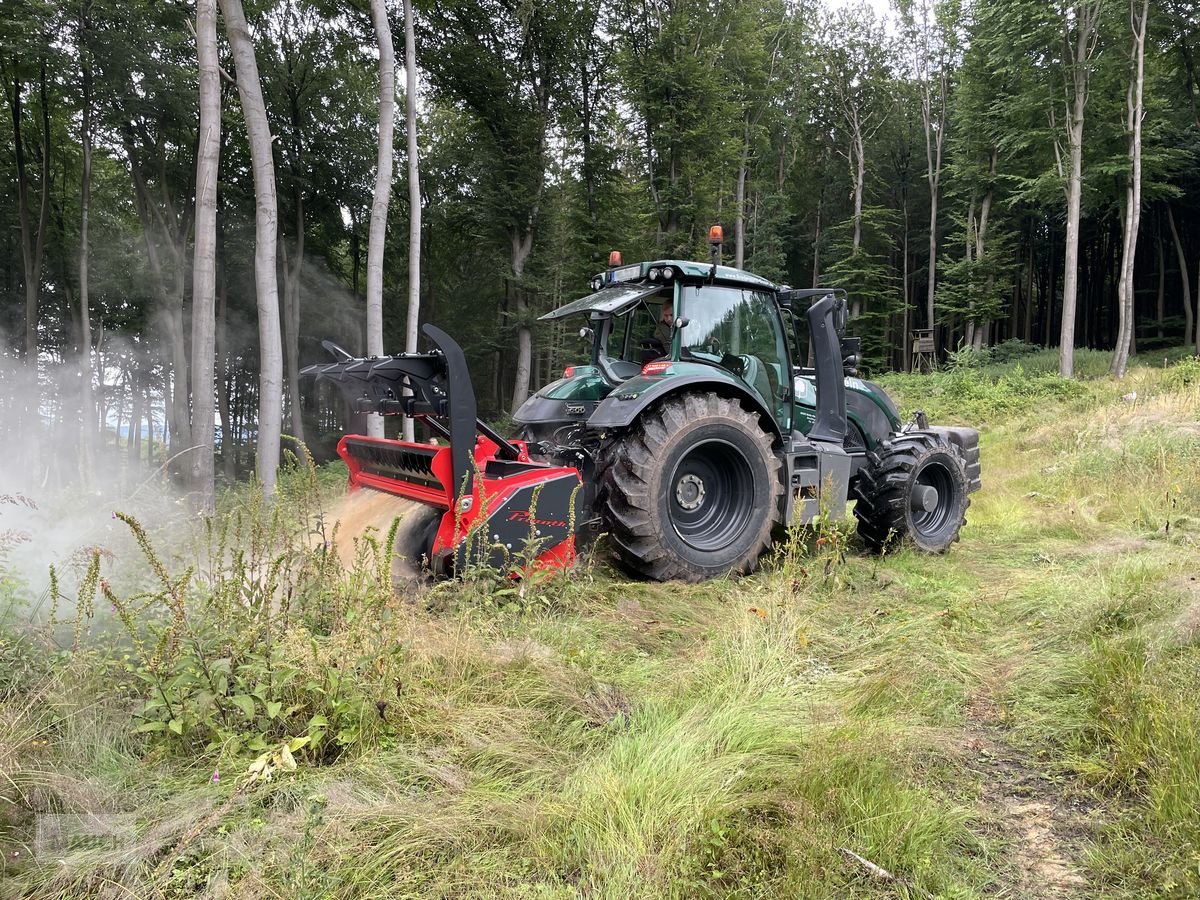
[[1183, 277], [1133, 193], [291, 323], [860, 180], [1160, 296], [1086, 16], [266, 224], [228, 430], [135, 414], [204, 261], [905, 341], [934, 143], [383, 191], [414, 193], [816, 263], [87, 435], [522, 245], [739, 202]]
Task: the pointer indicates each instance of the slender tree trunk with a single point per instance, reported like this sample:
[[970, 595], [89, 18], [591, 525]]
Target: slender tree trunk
[[383, 191], [739, 201], [1133, 194], [816, 258], [135, 414], [1161, 295], [291, 322], [266, 225], [934, 143], [204, 262], [860, 181], [905, 341], [1086, 17], [224, 387], [1027, 326], [1183, 277], [32, 245], [522, 245], [87, 435], [414, 193]]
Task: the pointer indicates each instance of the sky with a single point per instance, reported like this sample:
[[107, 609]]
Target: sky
[[881, 7]]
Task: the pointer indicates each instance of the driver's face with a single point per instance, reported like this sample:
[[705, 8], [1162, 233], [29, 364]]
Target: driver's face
[[667, 313]]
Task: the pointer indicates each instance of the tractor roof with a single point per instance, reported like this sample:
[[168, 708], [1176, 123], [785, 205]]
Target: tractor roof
[[692, 271], [617, 288]]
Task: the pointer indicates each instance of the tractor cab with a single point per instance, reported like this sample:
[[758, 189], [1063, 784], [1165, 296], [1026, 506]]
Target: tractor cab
[[669, 317]]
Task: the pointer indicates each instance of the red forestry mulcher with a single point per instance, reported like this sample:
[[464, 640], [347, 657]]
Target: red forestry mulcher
[[484, 501]]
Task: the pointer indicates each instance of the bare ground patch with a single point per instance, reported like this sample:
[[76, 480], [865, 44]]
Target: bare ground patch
[[1044, 827]]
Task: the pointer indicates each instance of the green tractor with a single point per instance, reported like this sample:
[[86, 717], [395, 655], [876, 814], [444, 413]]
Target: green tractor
[[690, 435], [698, 430]]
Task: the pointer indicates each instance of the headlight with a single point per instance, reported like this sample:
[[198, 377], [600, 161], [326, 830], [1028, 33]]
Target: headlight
[[654, 274], [668, 273]]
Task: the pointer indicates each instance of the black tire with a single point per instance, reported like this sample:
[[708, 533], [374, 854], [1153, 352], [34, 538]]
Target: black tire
[[412, 550], [893, 499], [691, 491]]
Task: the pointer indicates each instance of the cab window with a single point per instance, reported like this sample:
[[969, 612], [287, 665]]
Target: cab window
[[739, 329]]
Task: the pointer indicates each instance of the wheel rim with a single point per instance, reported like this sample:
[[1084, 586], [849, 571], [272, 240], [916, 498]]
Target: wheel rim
[[931, 515], [711, 495]]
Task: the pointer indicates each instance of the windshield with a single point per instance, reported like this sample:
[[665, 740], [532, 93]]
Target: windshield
[[739, 330]]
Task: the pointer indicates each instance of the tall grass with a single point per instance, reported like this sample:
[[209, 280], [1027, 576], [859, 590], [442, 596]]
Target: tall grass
[[590, 736]]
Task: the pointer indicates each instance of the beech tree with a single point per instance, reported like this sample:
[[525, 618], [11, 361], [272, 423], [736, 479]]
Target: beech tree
[[204, 264], [414, 191], [1080, 24], [383, 191], [258, 132], [1133, 188]]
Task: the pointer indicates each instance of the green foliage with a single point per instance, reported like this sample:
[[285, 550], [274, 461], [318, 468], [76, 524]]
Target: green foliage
[[1183, 374], [969, 394], [997, 354]]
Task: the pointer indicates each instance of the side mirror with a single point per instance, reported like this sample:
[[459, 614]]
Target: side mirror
[[841, 315], [851, 355]]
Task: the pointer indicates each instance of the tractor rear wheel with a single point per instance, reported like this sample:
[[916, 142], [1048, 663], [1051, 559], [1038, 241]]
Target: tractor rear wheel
[[692, 490], [914, 487]]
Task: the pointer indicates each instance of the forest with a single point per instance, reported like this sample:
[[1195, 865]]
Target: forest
[[997, 171]]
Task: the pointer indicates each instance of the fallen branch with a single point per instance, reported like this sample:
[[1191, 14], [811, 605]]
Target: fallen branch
[[883, 874]]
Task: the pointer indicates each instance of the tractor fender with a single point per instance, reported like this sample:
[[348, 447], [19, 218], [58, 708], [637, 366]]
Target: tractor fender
[[623, 406]]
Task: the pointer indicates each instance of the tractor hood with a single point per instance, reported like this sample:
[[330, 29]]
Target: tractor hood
[[606, 302]]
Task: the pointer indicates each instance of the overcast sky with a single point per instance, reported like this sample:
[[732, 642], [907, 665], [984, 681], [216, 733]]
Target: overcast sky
[[881, 7]]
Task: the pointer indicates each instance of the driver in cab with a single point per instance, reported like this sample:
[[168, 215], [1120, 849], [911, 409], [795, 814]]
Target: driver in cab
[[664, 328]]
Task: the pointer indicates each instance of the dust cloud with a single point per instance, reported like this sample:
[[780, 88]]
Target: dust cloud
[[360, 511]]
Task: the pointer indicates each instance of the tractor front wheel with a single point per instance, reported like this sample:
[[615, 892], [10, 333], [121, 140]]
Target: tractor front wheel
[[914, 487], [692, 490]]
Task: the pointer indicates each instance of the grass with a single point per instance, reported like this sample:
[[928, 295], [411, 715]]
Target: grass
[[1016, 718]]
